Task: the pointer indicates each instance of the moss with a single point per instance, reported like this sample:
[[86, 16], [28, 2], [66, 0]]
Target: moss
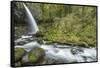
[[62, 26], [32, 57], [40, 49], [19, 52]]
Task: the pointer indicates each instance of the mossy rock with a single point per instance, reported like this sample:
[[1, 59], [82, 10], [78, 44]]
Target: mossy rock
[[32, 58], [40, 49], [19, 52], [38, 52]]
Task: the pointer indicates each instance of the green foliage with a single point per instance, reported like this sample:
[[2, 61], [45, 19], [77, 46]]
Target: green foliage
[[65, 23]]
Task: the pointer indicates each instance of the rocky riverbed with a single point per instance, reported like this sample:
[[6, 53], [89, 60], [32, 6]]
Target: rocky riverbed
[[30, 51]]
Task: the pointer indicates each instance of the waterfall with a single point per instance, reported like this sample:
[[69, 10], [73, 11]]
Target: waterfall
[[31, 21]]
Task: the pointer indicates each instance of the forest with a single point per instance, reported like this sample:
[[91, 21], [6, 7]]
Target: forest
[[61, 22]]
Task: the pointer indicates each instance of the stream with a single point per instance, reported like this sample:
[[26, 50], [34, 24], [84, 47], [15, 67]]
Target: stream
[[56, 52]]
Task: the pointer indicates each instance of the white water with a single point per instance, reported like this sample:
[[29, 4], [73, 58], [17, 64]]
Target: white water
[[63, 54], [31, 21], [67, 56]]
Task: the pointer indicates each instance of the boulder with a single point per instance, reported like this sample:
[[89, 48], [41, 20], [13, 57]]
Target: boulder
[[19, 53], [75, 50], [21, 43], [33, 56]]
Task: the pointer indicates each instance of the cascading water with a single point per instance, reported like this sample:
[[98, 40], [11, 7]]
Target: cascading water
[[59, 53], [33, 26]]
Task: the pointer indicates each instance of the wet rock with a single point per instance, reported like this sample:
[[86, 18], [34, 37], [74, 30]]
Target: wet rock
[[21, 43], [38, 34], [19, 53], [76, 50], [33, 56], [40, 41], [30, 39]]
